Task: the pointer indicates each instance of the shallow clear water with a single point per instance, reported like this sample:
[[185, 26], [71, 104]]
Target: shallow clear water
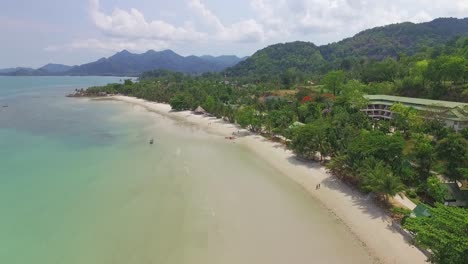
[[79, 183]]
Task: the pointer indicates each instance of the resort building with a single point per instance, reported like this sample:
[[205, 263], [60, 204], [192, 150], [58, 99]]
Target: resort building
[[457, 194], [454, 114]]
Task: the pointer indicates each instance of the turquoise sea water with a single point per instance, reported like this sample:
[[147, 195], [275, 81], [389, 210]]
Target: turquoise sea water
[[79, 183]]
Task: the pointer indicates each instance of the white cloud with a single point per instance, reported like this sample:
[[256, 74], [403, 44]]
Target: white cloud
[[133, 24], [268, 21], [129, 29], [243, 31], [208, 17], [321, 16], [112, 44], [314, 18], [421, 16]]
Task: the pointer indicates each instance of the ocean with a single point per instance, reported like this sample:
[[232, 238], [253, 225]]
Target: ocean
[[79, 183]]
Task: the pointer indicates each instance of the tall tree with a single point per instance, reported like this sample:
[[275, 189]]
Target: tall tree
[[380, 179], [209, 104], [377, 145], [419, 69], [423, 156], [453, 150], [311, 139], [279, 120], [436, 189], [353, 93], [249, 117], [406, 119], [334, 81], [181, 101]]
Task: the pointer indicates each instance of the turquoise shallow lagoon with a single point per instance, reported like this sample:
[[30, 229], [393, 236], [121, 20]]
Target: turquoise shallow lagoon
[[79, 183]]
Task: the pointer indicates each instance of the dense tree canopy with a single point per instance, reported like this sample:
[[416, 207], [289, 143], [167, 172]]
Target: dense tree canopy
[[454, 151], [379, 178], [445, 233], [334, 81]]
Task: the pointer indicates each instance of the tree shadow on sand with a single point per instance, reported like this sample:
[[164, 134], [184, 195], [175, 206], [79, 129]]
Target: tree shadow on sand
[[366, 203]]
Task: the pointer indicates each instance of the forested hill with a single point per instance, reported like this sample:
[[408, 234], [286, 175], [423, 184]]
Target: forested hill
[[389, 41], [276, 59], [376, 43]]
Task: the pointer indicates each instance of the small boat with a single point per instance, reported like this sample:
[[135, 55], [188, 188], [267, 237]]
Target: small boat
[[151, 141], [5, 106]]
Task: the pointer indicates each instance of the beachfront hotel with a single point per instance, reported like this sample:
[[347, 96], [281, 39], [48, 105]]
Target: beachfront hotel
[[454, 114]]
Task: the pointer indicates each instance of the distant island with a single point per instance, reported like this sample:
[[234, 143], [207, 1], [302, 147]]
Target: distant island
[[125, 63]]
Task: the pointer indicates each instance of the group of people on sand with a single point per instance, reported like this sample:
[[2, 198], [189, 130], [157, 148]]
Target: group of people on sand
[[318, 186]]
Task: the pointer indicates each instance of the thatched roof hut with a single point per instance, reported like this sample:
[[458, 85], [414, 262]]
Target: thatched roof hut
[[199, 111]]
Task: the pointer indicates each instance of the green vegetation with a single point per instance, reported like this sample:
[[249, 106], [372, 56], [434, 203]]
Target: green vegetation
[[311, 140], [436, 189], [380, 179], [391, 40], [281, 64], [248, 117], [453, 150], [423, 156], [435, 69], [445, 232], [334, 80]]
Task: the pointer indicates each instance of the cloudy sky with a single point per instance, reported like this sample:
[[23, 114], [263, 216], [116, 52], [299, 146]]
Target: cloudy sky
[[78, 31]]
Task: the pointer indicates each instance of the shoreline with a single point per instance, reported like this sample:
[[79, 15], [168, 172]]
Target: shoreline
[[365, 220]]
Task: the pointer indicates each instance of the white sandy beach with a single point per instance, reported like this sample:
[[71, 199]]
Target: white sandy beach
[[363, 218]]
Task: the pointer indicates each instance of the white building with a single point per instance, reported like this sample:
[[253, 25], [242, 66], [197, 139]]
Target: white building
[[454, 114]]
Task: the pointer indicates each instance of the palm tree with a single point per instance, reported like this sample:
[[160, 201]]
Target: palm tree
[[381, 180]]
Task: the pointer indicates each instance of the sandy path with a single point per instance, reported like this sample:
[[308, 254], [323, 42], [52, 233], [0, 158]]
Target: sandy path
[[367, 221]]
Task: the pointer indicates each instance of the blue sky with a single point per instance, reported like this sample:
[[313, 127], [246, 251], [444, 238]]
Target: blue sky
[[78, 31]]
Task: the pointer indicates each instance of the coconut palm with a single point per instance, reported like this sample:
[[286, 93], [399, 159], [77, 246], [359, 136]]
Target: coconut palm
[[380, 179]]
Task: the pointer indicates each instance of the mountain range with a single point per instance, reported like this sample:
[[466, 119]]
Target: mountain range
[[376, 43], [125, 63]]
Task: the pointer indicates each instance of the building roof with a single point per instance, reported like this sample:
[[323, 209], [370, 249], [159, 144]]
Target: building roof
[[415, 101], [421, 210], [454, 193], [455, 111], [199, 110]]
